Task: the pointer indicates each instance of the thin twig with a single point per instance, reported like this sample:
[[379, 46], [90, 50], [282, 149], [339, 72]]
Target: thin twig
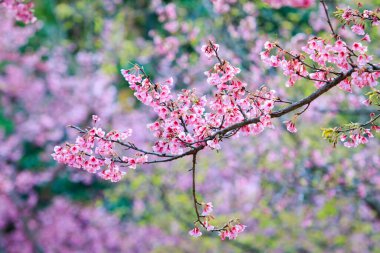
[[242, 112], [360, 126], [299, 113], [195, 201], [335, 35]]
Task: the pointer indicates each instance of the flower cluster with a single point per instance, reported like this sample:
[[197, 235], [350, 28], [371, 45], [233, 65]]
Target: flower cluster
[[231, 230], [210, 49], [207, 217], [167, 12], [331, 60], [358, 134], [189, 121], [357, 137], [352, 134], [95, 152], [356, 17], [22, 11], [184, 121]]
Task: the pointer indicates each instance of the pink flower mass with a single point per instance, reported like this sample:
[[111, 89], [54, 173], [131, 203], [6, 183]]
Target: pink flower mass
[[22, 10], [358, 29], [158, 106]]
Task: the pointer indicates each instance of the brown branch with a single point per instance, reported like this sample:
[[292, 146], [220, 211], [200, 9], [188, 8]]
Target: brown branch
[[242, 112], [195, 201], [277, 99], [183, 124], [190, 152], [216, 52], [299, 113], [335, 35]]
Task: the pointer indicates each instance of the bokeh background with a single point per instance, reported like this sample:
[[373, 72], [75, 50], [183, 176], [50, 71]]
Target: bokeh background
[[295, 192]]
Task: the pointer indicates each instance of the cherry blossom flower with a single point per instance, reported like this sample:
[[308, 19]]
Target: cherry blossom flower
[[207, 209], [232, 232], [347, 14], [290, 126], [357, 46], [209, 49], [366, 38], [208, 226], [358, 29], [95, 118], [195, 232]]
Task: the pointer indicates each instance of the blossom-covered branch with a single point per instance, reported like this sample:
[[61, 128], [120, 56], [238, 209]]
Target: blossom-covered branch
[[188, 122]]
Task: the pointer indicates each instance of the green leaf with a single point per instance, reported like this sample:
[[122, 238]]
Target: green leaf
[[328, 210]]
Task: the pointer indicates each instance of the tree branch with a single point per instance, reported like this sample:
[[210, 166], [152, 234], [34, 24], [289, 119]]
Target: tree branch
[[372, 120], [195, 201], [202, 143], [328, 19]]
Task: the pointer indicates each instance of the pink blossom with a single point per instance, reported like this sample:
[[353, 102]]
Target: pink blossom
[[208, 226], [210, 48], [195, 232], [363, 59], [214, 144], [359, 47], [269, 45], [232, 232], [366, 38], [347, 14], [290, 126], [358, 29], [345, 85], [375, 128], [95, 118], [207, 209]]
